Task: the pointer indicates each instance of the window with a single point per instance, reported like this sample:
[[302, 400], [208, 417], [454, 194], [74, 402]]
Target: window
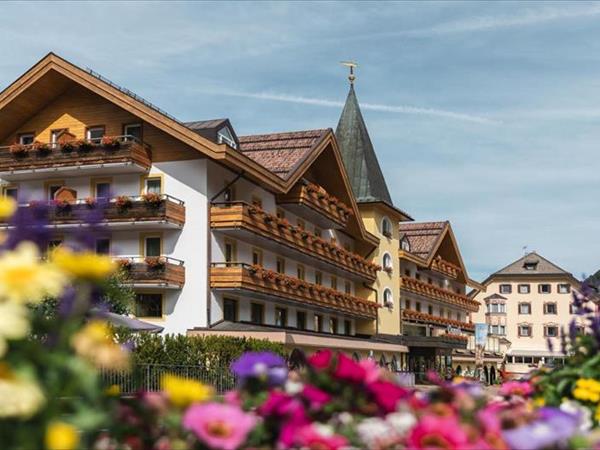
[[230, 252], [550, 308], [301, 224], [229, 193], [152, 246], [257, 201], [530, 265], [281, 317], [525, 330], [56, 134], [134, 130], [572, 309], [153, 185], [52, 187], [564, 288], [418, 306], [544, 288], [318, 232], [103, 246], [496, 308], [257, 313], [457, 316], [301, 272], [348, 287], [101, 188], [405, 245], [318, 322], [11, 191], [230, 310], [26, 138], [417, 276], [257, 257], [505, 289], [224, 136], [334, 282], [318, 278], [551, 331], [347, 327], [430, 310], [407, 304], [524, 289], [333, 325], [280, 213], [387, 262], [524, 308], [387, 298], [280, 265], [301, 320], [498, 329], [148, 305], [95, 133], [386, 227]]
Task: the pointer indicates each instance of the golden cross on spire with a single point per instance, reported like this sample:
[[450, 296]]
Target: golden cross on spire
[[351, 65]]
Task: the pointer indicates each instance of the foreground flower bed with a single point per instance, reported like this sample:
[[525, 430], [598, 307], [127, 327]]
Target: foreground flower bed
[[51, 395]]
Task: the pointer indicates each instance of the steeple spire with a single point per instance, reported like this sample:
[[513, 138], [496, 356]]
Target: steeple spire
[[351, 65], [358, 153]]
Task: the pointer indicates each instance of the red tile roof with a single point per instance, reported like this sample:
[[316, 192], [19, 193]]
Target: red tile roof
[[422, 236], [281, 153]]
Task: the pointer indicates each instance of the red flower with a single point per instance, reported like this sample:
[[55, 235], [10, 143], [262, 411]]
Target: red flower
[[438, 432], [315, 396], [320, 359], [310, 437], [387, 395], [348, 369]]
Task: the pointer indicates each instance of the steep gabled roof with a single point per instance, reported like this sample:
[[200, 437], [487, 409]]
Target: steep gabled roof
[[359, 155], [532, 264], [282, 153], [423, 237], [210, 129]]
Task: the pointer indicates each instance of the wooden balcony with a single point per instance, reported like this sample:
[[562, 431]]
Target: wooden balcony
[[153, 272], [313, 202], [435, 293], [40, 160], [120, 213], [444, 267], [257, 282], [248, 222], [415, 316]]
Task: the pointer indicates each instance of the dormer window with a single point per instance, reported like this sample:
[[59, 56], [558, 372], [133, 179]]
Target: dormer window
[[26, 138], [405, 245], [224, 136], [94, 134], [531, 265]]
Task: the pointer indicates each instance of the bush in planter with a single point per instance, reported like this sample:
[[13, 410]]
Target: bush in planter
[[67, 147], [155, 262], [124, 264], [123, 202], [152, 199], [42, 148], [110, 142], [90, 202], [62, 206], [19, 150], [84, 145]]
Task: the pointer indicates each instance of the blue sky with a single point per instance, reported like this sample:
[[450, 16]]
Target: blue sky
[[485, 114]]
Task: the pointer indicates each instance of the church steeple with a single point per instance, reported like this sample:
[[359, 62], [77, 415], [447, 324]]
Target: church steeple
[[358, 153]]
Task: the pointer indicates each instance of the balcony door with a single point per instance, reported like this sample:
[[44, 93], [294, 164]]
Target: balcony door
[[101, 188], [152, 246]]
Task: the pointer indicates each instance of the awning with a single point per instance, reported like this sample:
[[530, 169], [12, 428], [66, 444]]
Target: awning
[[127, 322], [538, 353]]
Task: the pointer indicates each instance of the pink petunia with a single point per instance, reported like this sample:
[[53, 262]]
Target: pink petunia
[[219, 426], [289, 411], [320, 359], [372, 370], [519, 388], [316, 397], [434, 432], [387, 395], [349, 370], [314, 438]]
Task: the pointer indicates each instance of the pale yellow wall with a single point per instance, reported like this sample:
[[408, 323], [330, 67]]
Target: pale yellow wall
[[388, 318]]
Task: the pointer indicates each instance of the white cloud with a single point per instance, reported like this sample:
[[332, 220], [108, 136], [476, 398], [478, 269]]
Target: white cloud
[[402, 109]]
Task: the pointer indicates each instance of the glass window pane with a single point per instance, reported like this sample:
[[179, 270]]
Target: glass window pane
[[152, 246], [95, 133], [148, 305], [103, 246], [134, 131], [102, 190], [154, 185]]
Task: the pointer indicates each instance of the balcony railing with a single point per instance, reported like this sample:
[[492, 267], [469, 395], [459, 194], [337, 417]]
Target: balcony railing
[[153, 271], [306, 246], [141, 209], [442, 295], [447, 268], [258, 281], [74, 154], [328, 211], [409, 314]]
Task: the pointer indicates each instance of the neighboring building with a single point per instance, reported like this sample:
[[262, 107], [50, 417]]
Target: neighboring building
[[528, 304], [253, 236], [422, 285], [436, 312]]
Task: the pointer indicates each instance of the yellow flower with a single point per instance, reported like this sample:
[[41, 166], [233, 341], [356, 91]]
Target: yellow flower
[[114, 390], [183, 392], [61, 436], [539, 402], [587, 389], [597, 414], [25, 278], [19, 397], [95, 343], [8, 206], [87, 265], [14, 323]]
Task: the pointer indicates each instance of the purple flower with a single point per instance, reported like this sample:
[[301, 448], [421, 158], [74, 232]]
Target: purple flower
[[552, 428], [29, 224], [262, 366]]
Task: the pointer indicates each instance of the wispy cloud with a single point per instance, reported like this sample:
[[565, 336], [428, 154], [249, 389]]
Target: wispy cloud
[[401, 109], [485, 23]]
